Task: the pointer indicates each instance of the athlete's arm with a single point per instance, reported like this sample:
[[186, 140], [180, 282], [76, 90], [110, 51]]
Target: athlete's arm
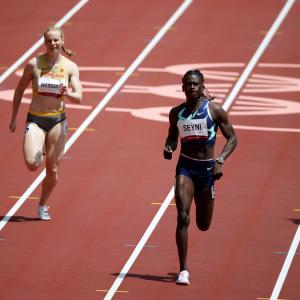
[[172, 138], [19, 91], [228, 132], [74, 93]]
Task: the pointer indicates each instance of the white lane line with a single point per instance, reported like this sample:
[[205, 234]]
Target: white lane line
[[140, 246], [99, 107], [29, 52], [170, 195], [286, 266], [260, 50], [182, 8], [288, 261]]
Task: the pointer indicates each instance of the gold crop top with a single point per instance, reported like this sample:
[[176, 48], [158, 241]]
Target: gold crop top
[[49, 79]]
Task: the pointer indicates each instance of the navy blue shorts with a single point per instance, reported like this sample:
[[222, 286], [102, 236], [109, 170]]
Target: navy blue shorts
[[200, 171]]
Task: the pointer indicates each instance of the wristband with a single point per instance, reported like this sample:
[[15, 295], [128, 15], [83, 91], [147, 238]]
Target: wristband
[[220, 160]]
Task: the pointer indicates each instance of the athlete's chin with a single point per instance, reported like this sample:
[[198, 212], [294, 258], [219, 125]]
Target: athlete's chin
[[194, 98], [54, 50]]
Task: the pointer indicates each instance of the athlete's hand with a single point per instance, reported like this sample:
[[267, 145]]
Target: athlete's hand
[[63, 90], [12, 125], [217, 171], [168, 152]]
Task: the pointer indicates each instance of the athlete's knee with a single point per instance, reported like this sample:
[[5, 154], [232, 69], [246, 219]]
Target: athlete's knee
[[52, 171], [203, 225], [183, 219], [35, 162], [32, 166]]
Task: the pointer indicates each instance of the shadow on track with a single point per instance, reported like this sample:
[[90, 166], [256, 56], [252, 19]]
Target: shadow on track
[[295, 221], [20, 219], [170, 277]]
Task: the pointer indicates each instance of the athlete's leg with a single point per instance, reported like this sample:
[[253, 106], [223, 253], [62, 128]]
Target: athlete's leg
[[184, 192], [33, 143], [55, 144], [204, 200]]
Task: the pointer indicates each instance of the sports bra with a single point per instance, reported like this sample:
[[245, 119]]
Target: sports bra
[[49, 79], [197, 126]]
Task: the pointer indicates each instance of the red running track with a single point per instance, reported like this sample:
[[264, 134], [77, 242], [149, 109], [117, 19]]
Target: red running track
[[114, 177]]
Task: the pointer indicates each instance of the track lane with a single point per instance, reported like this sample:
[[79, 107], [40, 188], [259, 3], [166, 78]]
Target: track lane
[[261, 288], [97, 244]]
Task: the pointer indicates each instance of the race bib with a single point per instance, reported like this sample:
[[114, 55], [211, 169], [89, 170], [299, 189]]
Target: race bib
[[49, 86], [192, 128]]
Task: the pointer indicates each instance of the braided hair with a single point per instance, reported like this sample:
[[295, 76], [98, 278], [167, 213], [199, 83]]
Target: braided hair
[[205, 92], [67, 51]]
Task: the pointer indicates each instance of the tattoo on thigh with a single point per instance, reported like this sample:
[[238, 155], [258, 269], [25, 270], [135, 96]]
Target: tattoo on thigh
[[39, 157], [27, 128], [65, 127]]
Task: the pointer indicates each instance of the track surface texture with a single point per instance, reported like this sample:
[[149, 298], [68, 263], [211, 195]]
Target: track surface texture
[[113, 178]]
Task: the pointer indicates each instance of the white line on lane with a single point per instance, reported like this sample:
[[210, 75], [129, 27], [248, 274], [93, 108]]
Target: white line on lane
[[288, 261], [29, 52], [258, 53], [182, 8], [286, 265], [226, 106], [100, 106]]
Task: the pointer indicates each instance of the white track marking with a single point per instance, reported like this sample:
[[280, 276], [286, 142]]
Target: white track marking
[[140, 246], [286, 265], [288, 261], [170, 196], [245, 75], [29, 52], [257, 55], [100, 105]]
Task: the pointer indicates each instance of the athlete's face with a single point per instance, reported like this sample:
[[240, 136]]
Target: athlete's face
[[53, 41], [193, 87]]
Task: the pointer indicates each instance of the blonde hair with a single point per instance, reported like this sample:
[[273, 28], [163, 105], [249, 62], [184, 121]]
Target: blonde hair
[[69, 52]]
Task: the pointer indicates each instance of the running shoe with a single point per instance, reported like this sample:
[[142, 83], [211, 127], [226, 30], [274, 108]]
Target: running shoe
[[183, 278], [43, 213]]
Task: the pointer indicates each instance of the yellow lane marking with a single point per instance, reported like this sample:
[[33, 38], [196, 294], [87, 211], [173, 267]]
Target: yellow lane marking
[[160, 203], [87, 129], [296, 209], [17, 197], [105, 291]]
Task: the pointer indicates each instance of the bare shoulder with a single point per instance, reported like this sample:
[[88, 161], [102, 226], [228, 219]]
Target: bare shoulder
[[214, 106], [29, 68], [177, 109], [173, 115], [217, 110], [32, 61], [72, 66]]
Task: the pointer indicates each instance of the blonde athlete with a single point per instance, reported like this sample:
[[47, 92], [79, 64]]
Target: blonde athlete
[[54, 78]]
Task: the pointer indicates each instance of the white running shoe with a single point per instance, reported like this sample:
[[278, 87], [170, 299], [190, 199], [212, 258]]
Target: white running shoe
[[43, 213], [183, 278]]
